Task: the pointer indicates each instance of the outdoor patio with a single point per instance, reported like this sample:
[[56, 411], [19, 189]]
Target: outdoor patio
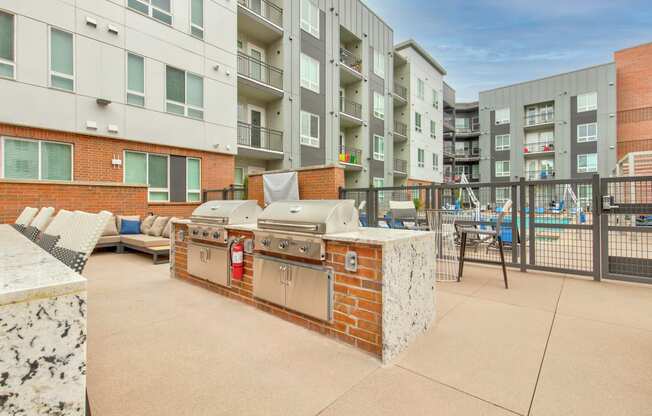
[[550, 345]]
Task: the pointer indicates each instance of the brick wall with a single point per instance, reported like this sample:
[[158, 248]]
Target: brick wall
[[634, 81], [92, 163], [320, 182]]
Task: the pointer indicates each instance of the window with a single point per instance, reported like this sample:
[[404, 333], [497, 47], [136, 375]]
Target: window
[[502, 116], [502, 195], [158, 9], [310, 17], [379, 106], [417, 122], [433, 129], [135, 80], [585, 195], [310, 73], [309, 129], [150, 169], [503, 142], [7, 45], [435, 99], [238, 177], [185, 93], [587, 102], [435, 161], [36, 160], [587, 163], [197, 18], [421, 158], [587, 132], [421, 89], [379, 147], [62, 67], [503, 168], [193, 179], [379, 64], [379, 183]]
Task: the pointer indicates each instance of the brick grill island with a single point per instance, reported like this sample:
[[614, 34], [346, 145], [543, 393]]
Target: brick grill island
[[380, 308]]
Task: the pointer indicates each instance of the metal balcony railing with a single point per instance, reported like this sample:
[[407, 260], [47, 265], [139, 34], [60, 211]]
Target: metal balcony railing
[[545, 146], [350, 108], [349, 59], [350, 155], [537, 119], [260, 71], [400, 90], [265, 9], [400, 128], [259, 137], [537, 175], [467, 153], [400, 165]]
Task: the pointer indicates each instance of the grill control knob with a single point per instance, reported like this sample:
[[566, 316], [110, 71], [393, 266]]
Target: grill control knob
[[195, 232], [266, 242], [283, 244], [303, 249], [205, 233], [216, 235]]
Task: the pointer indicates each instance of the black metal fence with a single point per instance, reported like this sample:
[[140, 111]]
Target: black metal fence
[[594, 227], [231, 193]]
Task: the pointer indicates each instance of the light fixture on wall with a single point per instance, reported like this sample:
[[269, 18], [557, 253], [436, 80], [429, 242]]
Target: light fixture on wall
[[103, 102]]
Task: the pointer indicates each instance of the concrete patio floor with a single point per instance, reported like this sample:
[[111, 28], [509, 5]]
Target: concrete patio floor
[[551, 345]]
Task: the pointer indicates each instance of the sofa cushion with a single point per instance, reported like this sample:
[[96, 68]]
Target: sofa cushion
[[108, 239], [168, 227], [119, 219], [158, 226], [130, 227], [111, 228], [142, 240], [147, 224]]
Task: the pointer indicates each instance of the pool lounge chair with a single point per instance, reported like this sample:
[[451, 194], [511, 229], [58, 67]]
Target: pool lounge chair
[[39, 223]]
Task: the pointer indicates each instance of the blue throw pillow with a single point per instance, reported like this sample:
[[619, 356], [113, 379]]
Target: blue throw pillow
[[130, 227]]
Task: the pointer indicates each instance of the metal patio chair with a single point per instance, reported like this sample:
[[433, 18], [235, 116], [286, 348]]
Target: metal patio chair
[[493, 234]]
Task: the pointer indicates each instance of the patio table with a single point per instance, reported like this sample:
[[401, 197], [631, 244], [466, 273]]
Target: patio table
[[43, 327]]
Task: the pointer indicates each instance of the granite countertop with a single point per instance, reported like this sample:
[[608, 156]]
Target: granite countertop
[[378, 236], [28, 272]]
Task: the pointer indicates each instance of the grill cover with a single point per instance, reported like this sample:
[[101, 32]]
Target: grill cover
[[228, 212], [317, 217]]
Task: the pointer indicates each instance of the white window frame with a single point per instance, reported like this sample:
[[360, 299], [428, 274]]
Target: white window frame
[[586, 106], [505, 118], [586, 138], [309, 140], [502, 173], [59, 74], [421, 89], [421, 158], [307, 26], [379, 106], [203, 19], [241, 169], [378, 181], [191, 191], [5, 61], [143, 95], [587, 168], [379, 155], [418, 121], [502, 146], [435, 99], [435, 162], [149, 190], [185, 105], [150, 11], [433, 129], [506, 196], [308, 83], [40, 167], [379, 64]]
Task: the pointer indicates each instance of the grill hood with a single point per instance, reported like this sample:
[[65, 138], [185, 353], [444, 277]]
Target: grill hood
[[314, 217], [227, 212]]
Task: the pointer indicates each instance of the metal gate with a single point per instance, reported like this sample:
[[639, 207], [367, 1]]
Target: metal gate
[[626, 223]]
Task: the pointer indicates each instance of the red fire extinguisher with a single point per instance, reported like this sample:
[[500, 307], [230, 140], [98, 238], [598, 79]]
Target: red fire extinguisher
[[237, 260]]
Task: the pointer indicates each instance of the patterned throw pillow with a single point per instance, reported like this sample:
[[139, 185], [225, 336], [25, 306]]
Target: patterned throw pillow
[[47, 241], [73, 259], [158, 226], [147, 224]]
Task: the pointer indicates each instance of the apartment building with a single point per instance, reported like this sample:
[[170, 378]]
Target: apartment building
[[462, 144], [314, 82], [559, 127], [418, 116]]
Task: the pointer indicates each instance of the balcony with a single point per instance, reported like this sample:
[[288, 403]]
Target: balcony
[[350, 113], [539, 119], [400, 130], [449, 124], [258, 79], [400, 94], [539, 175], [471, 154], [350, 67], [350, 157], [400, 167], [541, 147], [457, 178], [259, 142], [260, 19]]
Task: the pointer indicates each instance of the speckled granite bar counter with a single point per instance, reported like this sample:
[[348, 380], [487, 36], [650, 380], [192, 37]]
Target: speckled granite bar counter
[[42, 331]]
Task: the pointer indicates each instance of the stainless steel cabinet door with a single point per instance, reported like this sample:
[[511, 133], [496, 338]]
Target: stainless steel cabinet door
[[208, 263], [269, 280], [309, 292]]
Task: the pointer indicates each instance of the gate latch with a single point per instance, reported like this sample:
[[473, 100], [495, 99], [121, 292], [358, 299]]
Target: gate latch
[[608, 202]]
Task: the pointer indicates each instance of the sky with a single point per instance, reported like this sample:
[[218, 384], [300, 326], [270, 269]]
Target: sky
[[484, 44]]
